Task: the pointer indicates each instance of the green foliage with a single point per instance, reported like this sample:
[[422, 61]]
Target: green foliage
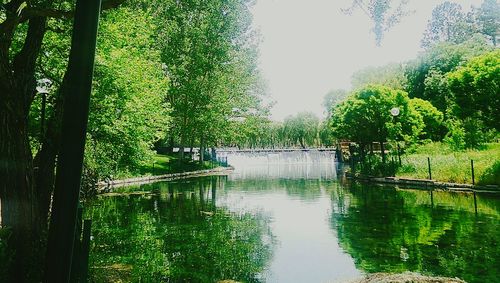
[[447, 24], [373, 165], [128, 112], [210, 57], [366, 116], [491, 175], [424, 74], [408, 230], [455, 137], [488, 19], [449, 165], [179, 236], [475, 90], [332, 98], [391, 75], [434, 128], [302, 129]]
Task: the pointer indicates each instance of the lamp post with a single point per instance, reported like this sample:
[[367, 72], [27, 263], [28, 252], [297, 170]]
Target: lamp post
[[43, 84], [395, 112]]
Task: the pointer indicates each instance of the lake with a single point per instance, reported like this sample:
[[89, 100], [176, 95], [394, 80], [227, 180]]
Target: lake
[[289, 217]]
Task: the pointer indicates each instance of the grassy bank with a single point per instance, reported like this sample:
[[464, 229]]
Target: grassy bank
[[165, 164], [451, 166]]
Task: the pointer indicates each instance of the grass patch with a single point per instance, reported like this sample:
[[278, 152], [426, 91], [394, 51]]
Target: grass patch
[[166, 164], [452, 166]]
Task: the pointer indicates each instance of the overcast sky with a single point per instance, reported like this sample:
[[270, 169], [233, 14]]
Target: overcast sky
[[310, 47]]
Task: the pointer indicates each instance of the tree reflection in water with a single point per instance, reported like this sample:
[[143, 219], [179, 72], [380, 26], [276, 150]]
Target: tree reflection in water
[[390, 230], [176, 234]]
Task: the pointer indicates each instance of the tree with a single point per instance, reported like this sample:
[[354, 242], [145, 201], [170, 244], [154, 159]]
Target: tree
[[447, 24], [210, 59], [475, 90], [23, 25], [488, 19], [423, 73], [365, 117], [433, 119], [384, 14], [302, 129], [128, 112], [391, 75], [333, 98]]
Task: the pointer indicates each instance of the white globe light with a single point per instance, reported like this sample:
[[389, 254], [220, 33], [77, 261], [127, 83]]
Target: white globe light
[[395, 111]]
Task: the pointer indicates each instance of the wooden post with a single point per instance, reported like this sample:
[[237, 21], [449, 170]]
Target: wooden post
[[472, 169], [429, 166], [76, 92]]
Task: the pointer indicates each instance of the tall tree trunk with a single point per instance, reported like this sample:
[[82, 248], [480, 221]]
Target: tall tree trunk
[[382, 151], [19, 202], [202, 149], [45, 160], [170, 148]]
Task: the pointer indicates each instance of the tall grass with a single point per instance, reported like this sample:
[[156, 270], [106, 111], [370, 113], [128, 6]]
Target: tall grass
[[453, 166]]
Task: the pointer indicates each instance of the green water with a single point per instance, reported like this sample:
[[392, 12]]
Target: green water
[[297, 227]]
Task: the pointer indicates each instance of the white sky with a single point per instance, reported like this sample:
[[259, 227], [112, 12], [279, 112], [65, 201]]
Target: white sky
[[310, 47]]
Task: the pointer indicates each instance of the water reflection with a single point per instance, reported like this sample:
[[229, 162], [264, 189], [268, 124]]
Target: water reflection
[[289, 222], [290, 165], [389, 230], [176, 235]]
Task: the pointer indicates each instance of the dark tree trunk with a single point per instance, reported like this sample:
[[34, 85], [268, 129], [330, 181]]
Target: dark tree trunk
[[170, 148], [202, 149], [45, 160], [382, 151], [18, 199], [301, 141], [19, 203]]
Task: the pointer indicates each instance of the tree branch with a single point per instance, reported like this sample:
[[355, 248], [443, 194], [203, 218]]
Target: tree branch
[[29, 12]]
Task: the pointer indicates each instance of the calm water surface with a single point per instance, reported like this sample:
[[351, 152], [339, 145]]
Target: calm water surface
[[288, 218]]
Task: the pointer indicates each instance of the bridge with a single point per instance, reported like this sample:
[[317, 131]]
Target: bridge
[[272, 150]]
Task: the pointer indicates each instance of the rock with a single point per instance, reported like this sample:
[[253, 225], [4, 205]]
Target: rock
[[407, 277]]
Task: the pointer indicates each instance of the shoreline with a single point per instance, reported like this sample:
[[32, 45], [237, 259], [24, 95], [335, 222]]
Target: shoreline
[[104, 186], [424, 183]]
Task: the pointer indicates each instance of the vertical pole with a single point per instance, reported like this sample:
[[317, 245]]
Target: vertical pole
[[429, 166], [76, 90], [472, 169], [42, 116]]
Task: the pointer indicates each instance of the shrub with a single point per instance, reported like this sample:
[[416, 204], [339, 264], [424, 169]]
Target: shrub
[[491, 175]]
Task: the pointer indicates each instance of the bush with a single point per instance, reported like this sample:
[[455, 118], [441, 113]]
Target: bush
[[456, 135], [373, 166], [491, 175]]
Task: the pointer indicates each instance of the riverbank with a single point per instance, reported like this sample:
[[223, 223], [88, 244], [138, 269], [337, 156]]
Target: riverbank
[[450, 166], [104, 186], [405, 277], [424, 183]]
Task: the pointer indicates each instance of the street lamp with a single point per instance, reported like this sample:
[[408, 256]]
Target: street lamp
[[395, 112], [43, 84]]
